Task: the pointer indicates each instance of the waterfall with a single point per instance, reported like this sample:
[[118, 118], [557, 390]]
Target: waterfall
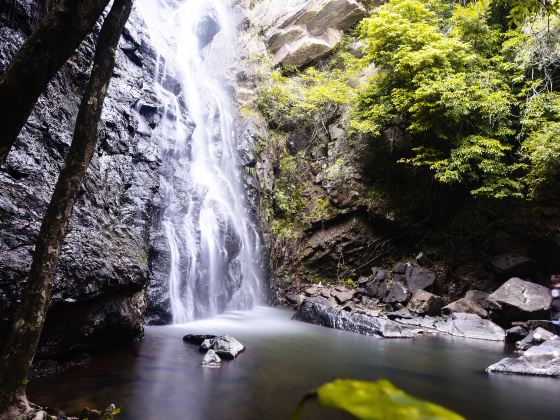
[[214, 245]]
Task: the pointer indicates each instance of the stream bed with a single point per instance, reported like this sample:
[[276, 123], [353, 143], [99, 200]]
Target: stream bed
[[161, 376]]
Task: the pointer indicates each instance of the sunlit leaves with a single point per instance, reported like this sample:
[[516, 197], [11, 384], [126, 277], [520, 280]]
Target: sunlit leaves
[[375, 401]]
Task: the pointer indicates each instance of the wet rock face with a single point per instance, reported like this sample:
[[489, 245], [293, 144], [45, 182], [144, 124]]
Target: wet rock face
[[105, 259]]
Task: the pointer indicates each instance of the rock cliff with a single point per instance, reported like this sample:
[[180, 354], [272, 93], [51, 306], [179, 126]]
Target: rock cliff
[[99, 294]]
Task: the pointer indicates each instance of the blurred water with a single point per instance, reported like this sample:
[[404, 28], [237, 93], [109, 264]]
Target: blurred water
[[214, 245], [161, 377]]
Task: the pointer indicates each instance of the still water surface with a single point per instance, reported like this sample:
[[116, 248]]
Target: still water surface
[[161, 377]]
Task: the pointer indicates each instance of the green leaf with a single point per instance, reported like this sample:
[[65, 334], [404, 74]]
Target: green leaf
[[375, 401]]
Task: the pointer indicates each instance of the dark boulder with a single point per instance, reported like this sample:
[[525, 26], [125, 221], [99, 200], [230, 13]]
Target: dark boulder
[[513, 265], [514, 334], [419, 278], [396, 293], [197, 339]]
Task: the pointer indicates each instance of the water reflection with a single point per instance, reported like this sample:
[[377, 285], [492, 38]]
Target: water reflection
[[161, 377]]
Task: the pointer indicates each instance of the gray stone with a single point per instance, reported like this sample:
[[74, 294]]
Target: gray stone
[[419, 278], [534, 338], [225, 346], [403, 313], [313, 291], [425, 303], [399, 268], [471, 326], [465, 305], [342, 297], [307, 32], [211, 360], [542, 360], [521, 299], [314, 312]]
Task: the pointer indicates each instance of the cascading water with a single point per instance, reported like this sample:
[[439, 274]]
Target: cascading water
[[214, 246]]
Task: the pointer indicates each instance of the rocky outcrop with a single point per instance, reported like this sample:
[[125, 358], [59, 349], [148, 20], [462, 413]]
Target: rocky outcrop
[[317, 313], [519, 300], [98, 296], [305, 31], [471, 326], [542, 360]]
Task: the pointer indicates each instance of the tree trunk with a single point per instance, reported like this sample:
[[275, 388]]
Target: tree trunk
[[39, 59], [18, 353]]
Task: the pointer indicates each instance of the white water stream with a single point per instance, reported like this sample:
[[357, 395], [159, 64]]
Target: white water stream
[[213, 243]]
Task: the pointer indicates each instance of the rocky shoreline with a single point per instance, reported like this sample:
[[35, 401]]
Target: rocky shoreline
[[395, 304]]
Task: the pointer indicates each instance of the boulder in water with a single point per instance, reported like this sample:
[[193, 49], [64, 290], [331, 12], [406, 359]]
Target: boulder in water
[[542, 360], [317, 313], [211, 360], [471, 326], [225, 346], [535, 338]]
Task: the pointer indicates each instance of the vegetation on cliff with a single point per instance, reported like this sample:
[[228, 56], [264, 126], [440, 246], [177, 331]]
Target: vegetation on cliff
[[471, 87]]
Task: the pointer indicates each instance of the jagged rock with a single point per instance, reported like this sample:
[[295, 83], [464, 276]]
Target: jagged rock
[[396, 293], [362, 281], [197, 339], [515, 334], [377, 289], [467, 306], [403, 313], [294, 298], [425, 303], [314, 312], [534, 338], [211, 359], [342, 296], [379, 274], [542, 360], [419, 278], [313, 291], [399, 268], [99, 289], [225, 346], [312, 30], [521, 300], [471, 326], [482, 299]]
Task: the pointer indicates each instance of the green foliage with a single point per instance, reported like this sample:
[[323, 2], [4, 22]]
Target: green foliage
[[375, 401], [473, 95]]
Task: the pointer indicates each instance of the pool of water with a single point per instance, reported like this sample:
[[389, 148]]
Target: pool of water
[[161, 377]]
